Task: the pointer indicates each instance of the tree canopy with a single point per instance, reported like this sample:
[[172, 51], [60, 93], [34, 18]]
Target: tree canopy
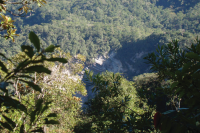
[[38, 85], [181, 68]]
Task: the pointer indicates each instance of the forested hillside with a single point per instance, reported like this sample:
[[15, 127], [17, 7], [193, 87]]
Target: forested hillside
[[96, 27], [39, 82]]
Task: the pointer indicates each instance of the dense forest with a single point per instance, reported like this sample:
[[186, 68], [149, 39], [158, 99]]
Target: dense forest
[[97, 27], [160, 95]]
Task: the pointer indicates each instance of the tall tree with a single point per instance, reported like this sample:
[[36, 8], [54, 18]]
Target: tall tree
[[181, 68]]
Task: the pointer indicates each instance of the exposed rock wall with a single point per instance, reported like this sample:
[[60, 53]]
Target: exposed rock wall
[[109, 63], [112, 64]]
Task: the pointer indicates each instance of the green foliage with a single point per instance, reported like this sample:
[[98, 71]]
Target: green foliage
[[146, 85], [28, 50], [180, 66], [93, 27], [7, 22], [35, 40], [115, 107], [50, 48], [59, 87], [32, 110]]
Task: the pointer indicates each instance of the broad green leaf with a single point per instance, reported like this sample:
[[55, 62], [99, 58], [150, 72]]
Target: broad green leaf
[[28, 50], [33, 113], [51, 122], [35, 40], [50, 48], [9, 102], [182, 93], [6, 125], [186, 67], [192, 55], [52, 115], [22, 64], [25, 76], [38, 108], [46, 106], [62, 60], [3, 67], [35, 87], [177, 90], [9, 121], [31, 84], [38, 130], [37, 68], [174, 85], [37, 61], [22, 128]]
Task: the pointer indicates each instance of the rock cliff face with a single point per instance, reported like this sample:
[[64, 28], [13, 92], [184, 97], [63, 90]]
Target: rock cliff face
[[109, 63], [129, 67]]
